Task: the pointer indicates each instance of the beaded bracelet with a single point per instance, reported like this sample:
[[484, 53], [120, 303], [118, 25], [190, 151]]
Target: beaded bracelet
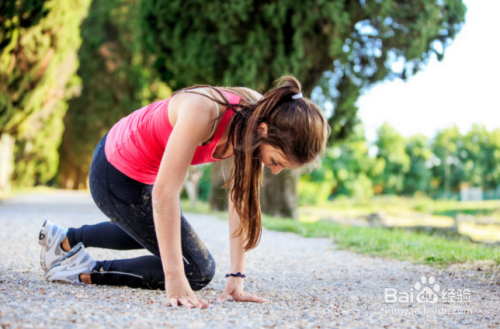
[[239, 275]]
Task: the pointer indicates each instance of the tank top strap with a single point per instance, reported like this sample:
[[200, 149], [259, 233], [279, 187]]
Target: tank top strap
[[216, 106]]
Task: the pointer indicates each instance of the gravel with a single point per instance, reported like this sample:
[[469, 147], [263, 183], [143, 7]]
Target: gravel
[[309, 282]]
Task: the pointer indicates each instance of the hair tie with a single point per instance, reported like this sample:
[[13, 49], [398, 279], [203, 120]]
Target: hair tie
[[297, 96]]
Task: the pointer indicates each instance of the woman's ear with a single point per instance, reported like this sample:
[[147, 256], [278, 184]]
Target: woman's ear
[[262, 129]]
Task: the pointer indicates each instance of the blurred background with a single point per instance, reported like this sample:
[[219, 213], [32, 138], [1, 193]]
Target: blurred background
[[409, 88]]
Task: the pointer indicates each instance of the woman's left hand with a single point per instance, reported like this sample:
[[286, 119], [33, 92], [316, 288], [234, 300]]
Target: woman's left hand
[[234, 288]]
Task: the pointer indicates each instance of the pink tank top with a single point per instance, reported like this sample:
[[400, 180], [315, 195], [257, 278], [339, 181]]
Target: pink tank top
[[135, 145]]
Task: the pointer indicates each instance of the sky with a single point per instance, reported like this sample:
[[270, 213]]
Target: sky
[[462, 89]]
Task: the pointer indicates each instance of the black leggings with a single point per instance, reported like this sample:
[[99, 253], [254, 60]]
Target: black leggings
[[127, 203]]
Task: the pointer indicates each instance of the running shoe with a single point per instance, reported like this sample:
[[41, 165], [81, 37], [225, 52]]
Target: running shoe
[[50, 238], [69, 268]]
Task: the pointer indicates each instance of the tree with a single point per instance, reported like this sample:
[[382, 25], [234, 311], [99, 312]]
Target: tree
[[117, 79], [466, 160], [391, 150], [495, 159], [352, 165], [480, 154], [419, 175], [342, 46], [38, 45], [448, 169]]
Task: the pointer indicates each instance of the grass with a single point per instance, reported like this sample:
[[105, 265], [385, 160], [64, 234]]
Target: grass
[[394, 205], [490, 208], [418, 247], [394, 243], [407, 212]]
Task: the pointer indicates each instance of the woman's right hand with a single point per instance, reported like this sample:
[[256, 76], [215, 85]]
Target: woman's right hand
[[179, 292]]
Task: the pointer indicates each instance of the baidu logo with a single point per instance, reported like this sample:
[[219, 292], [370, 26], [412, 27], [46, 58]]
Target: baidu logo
[[427, 290], [423, 291]]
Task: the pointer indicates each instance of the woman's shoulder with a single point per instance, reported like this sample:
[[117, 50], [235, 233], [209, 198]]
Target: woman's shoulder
[[191, 101]]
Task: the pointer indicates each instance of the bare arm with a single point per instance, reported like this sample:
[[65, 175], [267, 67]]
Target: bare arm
[[234, 285], [193, 124], [236, 243]]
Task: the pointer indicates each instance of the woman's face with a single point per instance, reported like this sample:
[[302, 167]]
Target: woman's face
[[272, 158]]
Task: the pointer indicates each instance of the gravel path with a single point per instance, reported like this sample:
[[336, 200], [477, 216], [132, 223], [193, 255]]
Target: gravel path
[[310, 284]]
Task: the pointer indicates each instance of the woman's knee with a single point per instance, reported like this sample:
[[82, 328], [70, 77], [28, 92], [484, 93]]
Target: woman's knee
[[205, 275]]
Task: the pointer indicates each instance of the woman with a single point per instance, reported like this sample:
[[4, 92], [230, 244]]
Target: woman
[[138, 171]]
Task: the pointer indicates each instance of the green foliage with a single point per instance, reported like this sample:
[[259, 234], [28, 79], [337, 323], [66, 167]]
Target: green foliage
[[205, 183], [391, 150], [448, 169], [343, 46], [39, 40], [418, 177], [345, 171], [481, 157], [352, 165], [441, 166], [436, 167], [19, 14], [117, 79], [315, 192], [350, 44], [470, 160]]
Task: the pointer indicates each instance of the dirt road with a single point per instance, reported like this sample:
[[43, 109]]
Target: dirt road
[[310, 283]]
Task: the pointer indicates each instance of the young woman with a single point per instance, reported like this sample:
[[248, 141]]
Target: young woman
[[138, 170]]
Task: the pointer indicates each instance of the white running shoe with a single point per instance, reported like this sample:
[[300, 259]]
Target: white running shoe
[[50, 238], [69, 268]]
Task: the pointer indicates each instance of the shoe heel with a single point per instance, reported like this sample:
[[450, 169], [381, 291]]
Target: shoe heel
[[43, 233]]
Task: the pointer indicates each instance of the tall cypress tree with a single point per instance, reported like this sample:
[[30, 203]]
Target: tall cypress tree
[[38, 45], [117, 79], [341, 46]]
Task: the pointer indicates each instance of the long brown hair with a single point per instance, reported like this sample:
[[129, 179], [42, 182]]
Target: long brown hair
[[296, 127]]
